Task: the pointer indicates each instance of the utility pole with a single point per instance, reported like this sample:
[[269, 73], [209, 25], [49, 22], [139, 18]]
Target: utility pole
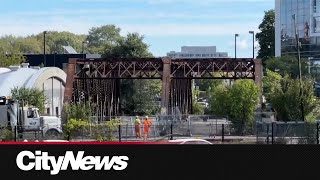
[[44, 48], [299, 63], [235, 45]]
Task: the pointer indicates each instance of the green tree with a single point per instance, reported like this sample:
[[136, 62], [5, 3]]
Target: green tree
[[80, 111], [29, 97], [137, 96], [287, 65], [103, 38], [7, 44], [196, 107], [219, 100], [238, 102], [271, 83], [28, 45], [284, 95], [55, 40], [14, 58], [130, 46], [266, 36]]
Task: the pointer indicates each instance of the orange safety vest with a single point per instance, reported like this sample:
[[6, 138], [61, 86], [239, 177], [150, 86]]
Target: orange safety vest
[[147, 123]]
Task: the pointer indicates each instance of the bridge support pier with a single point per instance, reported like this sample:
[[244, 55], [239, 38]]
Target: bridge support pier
[[166, 85]]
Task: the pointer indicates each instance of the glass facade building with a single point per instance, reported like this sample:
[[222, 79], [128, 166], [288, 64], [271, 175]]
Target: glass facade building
[[306, 22]]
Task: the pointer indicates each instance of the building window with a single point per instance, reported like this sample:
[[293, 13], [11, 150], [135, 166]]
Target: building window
[[57, 111], [48, 111]]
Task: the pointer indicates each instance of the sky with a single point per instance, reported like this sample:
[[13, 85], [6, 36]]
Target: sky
[[165, 24]]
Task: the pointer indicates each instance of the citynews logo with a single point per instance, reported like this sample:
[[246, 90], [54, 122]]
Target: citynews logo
[[42, 161]]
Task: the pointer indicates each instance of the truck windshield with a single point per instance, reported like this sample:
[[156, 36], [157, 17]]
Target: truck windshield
[[30, 113]]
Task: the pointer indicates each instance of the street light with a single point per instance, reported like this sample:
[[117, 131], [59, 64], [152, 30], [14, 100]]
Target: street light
[[44, 48], [83, 42], [235, 45], [298, 45], [252, 32]]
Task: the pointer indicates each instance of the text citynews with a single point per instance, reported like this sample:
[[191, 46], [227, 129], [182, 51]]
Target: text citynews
[[42, 161]]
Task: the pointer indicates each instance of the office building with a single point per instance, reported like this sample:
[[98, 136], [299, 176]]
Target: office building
[[300, 15], [197, 52]]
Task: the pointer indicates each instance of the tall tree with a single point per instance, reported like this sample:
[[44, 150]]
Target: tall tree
[[101, 37], [130, 46], [287, 65], [266, 37], [284, 95], [137, 96], [28, 45], [237, 102], [8, 59], [7, 44], [55, 40]]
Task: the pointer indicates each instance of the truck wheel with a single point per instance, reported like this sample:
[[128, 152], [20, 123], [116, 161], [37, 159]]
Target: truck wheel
[[52, 133]]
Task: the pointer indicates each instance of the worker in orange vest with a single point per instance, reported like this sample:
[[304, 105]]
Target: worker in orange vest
[[146, 127], [137, 123]]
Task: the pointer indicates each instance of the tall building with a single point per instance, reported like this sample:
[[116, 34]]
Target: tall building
[[197, 52], [304, 15]]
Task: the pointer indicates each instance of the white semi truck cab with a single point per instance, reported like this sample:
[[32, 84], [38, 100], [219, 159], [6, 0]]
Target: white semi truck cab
[[27, 119]]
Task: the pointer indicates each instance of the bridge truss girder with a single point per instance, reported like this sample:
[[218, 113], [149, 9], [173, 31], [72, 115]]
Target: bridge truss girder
[[97, 80]]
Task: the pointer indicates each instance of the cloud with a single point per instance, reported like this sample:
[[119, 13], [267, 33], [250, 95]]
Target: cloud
[[243, 44], [131, 14], [26, 28]]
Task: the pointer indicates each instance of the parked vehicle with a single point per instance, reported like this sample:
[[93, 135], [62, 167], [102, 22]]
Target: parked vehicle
[[22, 119], [190, 141]]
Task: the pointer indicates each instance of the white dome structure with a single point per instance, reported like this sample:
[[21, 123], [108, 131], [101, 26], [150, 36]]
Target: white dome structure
[[49, 79], [3, 70]]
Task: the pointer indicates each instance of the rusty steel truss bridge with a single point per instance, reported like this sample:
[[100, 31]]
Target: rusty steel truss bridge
[[98, 80]]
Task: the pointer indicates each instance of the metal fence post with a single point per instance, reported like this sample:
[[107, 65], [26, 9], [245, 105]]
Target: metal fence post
[[119, 132], [15, 133], [210, 130], [189, 127], [127, 132], [268, 133], [82, 132], [171, 131], [317, 132], [272, 132], [216, 133], [222, 132]]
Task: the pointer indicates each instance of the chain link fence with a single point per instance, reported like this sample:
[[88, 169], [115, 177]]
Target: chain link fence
[[288, 133], [264, 130]]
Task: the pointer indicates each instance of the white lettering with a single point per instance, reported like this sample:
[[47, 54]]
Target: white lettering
[[19, 160], [121, 163], [87, 163], [56, 165], [42, 161], [74, 162]]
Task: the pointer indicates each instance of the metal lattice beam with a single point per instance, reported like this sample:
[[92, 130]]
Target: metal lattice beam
[[97, 80]]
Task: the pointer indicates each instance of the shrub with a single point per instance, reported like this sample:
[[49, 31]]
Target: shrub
[[101, 132]]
